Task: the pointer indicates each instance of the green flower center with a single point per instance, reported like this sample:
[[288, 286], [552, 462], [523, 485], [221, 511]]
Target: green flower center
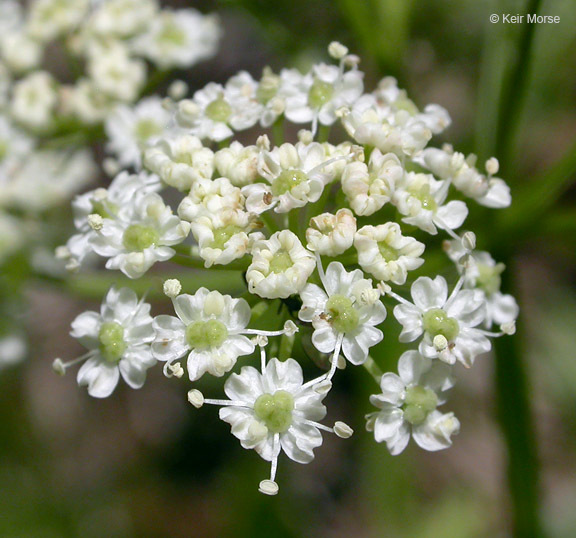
[[419, 403], [138, 237], [426, 199], [344, 317], [219, 110], [112, 344], [404, 103], [489, 278], [387, 252], [436, 322], [275, 410], [146, 128], [206, 334], [3, 149], [287, 180], [171, 34], [280, 262], [320, 93], [103, 208], [222, 235]]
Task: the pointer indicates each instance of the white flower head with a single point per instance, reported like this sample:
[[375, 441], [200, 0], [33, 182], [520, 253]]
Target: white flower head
[[122, 18], [49, 19], [209, 328], [225, 236], [273, 410], [369, 187], [331, 235], [387, 254], [280, 266], [210, 197], [34, 100], [344, 314], [19, 51], [238, 163], [179, 38], [421, 199], [180, 160], [118, 339], [139, 235], [408, 405], [295, 176], [447, 323], [131, 129]]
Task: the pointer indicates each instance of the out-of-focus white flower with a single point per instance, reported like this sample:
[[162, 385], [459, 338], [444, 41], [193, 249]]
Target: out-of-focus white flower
[[408, 405], [131, 129], [216, 111], [10, 16], [210, 197], [179, 38], [331, 235], [208, 328], [238, 163], [48, 19], [115, 73], [448, 324], [295, 175], [369, 187], [421, 199], [86, 102], [139, 235], [122, 18], [13, 347], [386, 254], [12, 234], [344, 314], [34, 100], [280, 266], [180, 160], [20, 52]]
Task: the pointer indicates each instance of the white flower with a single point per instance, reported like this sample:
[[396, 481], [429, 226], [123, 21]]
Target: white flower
[[344, 314], [85, 101], [118, 339], [12, 235], [421, 199], [331, 235], [208, 328], [295, 177], [122, 18], [34, 100], [180, 160], [274, 410], [386, 254], [408, 405], [215, 112], [322, 92], [210, 197], [20, 52], [131, 129], [225, 236], [238, 163], [48, 19], [481, 272], [280, 266], [369, 187], [115, 73], [13, 348], [15, 146], [446, 323], [139, 235], [179, 38]]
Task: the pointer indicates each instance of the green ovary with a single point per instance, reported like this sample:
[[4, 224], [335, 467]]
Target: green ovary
[[172, 34], [112, 344], [320, 93], [344, 317], [419, 403], [426, 199], [206, 334], [138, 237], [219, 110], [280, 262], [275, 410], [223, 235], [437, 322], [287, 180], [489, 278], [387, 252], [146, 129], [103, 208]]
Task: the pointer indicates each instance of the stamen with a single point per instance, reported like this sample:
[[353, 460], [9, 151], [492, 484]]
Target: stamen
[[224, 403], [455, 291], [334, 362], [318, 425], [342, 430], [59, 366], [268, 487], [398, 298], [321, 270], [196, 398], [262, 359]]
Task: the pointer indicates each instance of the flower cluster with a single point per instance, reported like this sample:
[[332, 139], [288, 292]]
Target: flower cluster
[[328, 235]]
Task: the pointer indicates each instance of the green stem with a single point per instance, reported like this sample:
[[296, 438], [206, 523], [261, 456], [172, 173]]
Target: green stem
[[268, 219], [373, 369], [323, 133], [278, 131], [196, 263]]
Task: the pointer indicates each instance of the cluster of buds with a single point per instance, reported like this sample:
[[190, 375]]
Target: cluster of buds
[[328, 236]]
